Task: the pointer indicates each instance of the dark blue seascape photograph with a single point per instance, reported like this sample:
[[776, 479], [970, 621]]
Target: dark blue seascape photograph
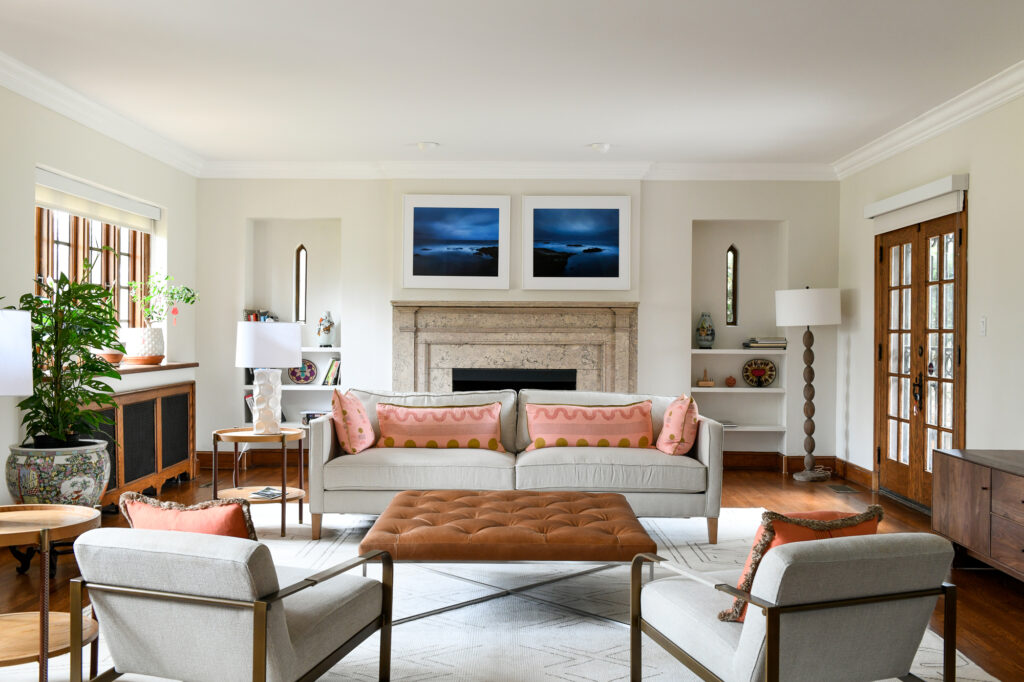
[[455, 242], [575, 242]]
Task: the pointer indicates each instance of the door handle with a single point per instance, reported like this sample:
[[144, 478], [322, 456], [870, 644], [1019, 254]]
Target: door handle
[[918, 391]]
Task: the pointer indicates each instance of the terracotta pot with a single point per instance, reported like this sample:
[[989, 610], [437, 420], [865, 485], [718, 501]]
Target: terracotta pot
[[65, 475], [143, 345]]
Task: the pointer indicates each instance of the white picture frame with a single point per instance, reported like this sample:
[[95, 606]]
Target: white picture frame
[[424, 231], [542, 215]]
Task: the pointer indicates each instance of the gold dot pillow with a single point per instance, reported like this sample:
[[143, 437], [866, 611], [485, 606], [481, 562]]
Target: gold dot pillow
[[679, 431], [455, 426], [352, 427], [602, 426]]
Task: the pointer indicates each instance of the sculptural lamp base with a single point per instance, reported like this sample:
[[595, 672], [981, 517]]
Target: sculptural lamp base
[[812, 476], [266, 396]]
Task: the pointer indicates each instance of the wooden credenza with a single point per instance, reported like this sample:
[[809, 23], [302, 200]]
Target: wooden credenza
[[978, 502]]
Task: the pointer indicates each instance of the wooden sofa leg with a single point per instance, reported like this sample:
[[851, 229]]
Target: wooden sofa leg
[[712, 531], [317, 518]]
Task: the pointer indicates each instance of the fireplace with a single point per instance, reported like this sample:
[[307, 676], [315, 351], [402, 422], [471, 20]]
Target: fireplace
[[471, 379]]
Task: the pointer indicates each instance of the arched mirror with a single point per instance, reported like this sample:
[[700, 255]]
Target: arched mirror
[[300, 283], [732, 261]]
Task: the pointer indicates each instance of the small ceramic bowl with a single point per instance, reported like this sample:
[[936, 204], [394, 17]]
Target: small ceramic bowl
[[112, 356]]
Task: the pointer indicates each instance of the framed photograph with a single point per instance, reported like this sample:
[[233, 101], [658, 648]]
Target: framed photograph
[[576, 242], [456, 241]]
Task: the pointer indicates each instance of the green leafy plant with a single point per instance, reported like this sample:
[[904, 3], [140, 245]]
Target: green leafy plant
[[68, 319], [157, 296]]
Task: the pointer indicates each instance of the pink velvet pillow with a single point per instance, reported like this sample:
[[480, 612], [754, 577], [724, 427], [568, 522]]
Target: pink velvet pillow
[[623, 426], [352, 427], [679, 431], [456, 426], [215, 517]]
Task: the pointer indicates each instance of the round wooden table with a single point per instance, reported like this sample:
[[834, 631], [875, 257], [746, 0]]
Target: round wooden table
[[42, 524], [246, 435]]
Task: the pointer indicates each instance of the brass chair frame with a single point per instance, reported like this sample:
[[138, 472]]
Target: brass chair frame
[[259, 610], [773, 613]]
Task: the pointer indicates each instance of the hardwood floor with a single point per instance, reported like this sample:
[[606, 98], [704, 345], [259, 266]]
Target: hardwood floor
[[990, 605]]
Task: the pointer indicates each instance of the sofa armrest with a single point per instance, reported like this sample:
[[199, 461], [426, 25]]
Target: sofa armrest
[[709, 453], [322, 447]]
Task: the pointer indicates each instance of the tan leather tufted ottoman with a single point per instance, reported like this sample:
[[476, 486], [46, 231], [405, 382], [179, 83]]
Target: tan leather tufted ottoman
[[508, 525]]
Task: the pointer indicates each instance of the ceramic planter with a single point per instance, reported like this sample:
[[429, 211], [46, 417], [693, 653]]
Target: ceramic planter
[[72, 475], [705, 331], [143, 345]]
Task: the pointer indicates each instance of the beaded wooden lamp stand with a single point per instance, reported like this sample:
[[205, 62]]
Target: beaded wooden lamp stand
[[809, 473]]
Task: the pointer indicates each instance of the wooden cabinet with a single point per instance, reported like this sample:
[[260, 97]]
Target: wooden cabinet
[[978, 502]]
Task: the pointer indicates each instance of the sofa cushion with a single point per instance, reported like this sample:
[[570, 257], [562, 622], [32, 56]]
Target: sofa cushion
[[679, 432], [604, 426], [352, 427], [506, 397], [541, 396], [608, 469], [454, 426], [421, 469]]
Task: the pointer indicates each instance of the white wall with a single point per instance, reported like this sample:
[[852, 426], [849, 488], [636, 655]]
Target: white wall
[[32, 135], [991, 149]]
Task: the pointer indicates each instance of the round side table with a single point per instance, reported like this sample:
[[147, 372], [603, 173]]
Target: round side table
[[246, 435], [42, 524]]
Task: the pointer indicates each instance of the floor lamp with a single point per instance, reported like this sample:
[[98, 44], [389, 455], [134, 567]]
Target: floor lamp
[[808, 308], [267, 347]]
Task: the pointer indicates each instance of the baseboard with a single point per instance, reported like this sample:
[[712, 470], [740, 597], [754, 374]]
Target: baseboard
[[759, 461], [251, 458], [859, 475]]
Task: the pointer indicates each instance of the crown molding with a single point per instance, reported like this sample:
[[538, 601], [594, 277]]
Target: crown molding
[[982, 98], [58, 97], [819, 172]]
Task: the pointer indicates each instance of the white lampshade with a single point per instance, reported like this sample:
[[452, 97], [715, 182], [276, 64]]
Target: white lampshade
[[268, 344], [807, 307], [15, 352]]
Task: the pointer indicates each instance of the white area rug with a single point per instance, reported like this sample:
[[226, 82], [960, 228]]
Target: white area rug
[[518, 638]]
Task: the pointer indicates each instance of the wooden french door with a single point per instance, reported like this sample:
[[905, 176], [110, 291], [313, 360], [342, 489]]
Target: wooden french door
[[920, 317]]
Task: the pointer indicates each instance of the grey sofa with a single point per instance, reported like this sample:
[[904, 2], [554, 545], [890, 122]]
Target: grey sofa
[[655, 484]]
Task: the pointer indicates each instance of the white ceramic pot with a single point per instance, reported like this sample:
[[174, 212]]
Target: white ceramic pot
[[143, 345]]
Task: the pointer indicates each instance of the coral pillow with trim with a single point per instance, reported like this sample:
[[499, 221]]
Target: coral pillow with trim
[[778, 529], [602, 426], [679, 431], [216, 517], [454, 426], [352, 427]]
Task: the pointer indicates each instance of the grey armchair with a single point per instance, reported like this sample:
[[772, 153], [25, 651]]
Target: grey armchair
[[188, 606], [851, 608]]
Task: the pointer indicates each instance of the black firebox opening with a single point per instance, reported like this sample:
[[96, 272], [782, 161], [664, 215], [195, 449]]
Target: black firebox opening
[[494, 379]]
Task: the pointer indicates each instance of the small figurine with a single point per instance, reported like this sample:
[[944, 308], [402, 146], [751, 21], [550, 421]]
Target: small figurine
[[705, 331], [730, 381], [706, 382], [325, 329]]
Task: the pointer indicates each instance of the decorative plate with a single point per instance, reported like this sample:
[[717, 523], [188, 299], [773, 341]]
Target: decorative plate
[[303, 375], [759, 372]]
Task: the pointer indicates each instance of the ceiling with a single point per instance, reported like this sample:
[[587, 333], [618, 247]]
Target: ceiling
[[683, 81]]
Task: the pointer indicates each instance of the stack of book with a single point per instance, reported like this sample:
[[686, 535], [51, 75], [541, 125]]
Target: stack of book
[[331, 375], [766, 342]]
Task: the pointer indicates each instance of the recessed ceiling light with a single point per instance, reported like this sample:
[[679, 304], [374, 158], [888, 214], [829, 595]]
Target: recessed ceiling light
[[424, 146], [600, 147]]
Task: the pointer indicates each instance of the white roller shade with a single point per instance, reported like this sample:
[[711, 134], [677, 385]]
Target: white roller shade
[[936, 199], [63, 193]]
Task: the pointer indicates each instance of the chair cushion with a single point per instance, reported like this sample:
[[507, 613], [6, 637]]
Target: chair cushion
[[682, 610], [618, 426], [421, 469], [453, 426], [214, 517], [778, 529], [679, 432], [614, 469], [352, 427]]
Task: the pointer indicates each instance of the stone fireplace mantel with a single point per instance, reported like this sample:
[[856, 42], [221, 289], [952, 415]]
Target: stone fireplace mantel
[[596, 339]]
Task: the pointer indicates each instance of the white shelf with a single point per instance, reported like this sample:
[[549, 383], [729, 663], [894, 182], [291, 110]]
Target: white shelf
[[321, 349], [755, 428], [296, 387], [737, 351], [726, 389]]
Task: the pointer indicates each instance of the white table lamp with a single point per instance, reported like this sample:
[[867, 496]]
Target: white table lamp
[[15, 353], [806, 308], [267, 347]]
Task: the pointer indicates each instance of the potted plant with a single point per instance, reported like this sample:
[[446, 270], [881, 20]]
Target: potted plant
[[57, 463], [158, 297]]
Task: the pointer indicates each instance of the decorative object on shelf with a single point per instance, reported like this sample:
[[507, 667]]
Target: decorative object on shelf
[[705, 331], [804, 308], [325, 330], [267, 347], [706, 382], [730, 381], [576, 242], [157, 297], [456, 242], [61, 466], [759, 372], [331, 375], [304, 374]]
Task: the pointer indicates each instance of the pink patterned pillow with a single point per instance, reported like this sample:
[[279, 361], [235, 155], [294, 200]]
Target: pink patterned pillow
[[352, 427], [457, 426], [679, 432], [623, 426]]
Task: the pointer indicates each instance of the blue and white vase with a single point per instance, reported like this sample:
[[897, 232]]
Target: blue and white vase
[[72, 475], [705, 331]]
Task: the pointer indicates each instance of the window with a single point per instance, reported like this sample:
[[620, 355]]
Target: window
[[300, 284], [65, 243], [732, 262]]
